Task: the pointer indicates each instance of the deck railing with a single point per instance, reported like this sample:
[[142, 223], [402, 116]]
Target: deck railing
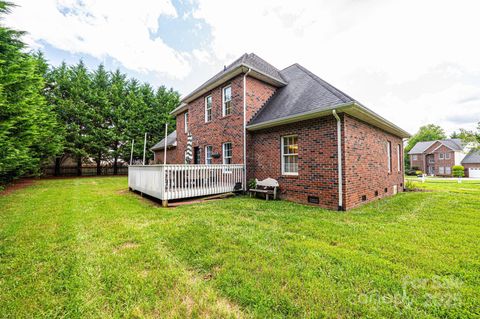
[[174, 181]]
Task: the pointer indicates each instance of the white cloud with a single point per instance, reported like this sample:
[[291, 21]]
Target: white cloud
[[411, 61], [108, 28]]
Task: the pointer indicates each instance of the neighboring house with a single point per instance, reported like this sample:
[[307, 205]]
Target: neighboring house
[[438, 157], [290, 125]]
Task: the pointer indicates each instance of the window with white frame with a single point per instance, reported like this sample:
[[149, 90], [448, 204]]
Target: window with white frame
[[441, 170], [227, 153], [208, 154], [448, 170], [440, 155], [447, 155], [389, 156], [227, 101], [208, 108], [414, 157], [185, 118], [290, 155], [431, 160], [399, 158]]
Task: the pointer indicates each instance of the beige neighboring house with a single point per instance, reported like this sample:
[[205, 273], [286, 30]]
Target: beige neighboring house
[[438, 157]]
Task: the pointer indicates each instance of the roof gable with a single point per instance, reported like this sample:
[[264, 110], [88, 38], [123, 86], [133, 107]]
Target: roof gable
[[259, 67]]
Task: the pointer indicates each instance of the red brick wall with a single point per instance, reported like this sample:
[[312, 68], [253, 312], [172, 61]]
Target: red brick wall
[[222, 129], [443, 162], [317, 159], [419, 163], [172, 156], [258, 93], [365, 162]]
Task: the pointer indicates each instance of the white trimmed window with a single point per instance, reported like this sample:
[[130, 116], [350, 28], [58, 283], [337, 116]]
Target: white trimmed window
[[448, 170], [208, 154], [441, 170], [227, 101], [185, 119], [290, 155], [389, 156], [414, 157], [208, 108], [399, 158], [440, 155], [447, 155], [227, 153]]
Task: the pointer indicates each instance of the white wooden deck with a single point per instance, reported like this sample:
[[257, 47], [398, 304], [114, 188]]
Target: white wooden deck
[[173, 181]]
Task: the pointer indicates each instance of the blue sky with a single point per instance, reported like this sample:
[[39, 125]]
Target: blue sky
[[414, 62]]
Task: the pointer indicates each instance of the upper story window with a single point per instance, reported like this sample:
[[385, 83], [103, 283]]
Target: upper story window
[[208, 108], [185, 118], [414, 157], [440, 155], [431, 160], [227, 153], [447, 155], [389, 156], [290, 155], [208, 154], [399, 158], [227, 101]]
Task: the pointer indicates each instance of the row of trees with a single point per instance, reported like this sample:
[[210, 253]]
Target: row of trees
[[50, 112], [103, 111]]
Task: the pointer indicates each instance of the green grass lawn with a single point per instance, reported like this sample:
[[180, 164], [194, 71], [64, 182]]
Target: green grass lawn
[[88, 248]]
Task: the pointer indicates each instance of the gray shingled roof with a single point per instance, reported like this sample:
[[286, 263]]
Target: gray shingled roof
[[171, 141], [250, 60], [472, 158], [304, 92], [420, 147], [455, 144]]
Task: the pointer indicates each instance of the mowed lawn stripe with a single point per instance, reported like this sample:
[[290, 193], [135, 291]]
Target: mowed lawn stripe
[[78, 248]]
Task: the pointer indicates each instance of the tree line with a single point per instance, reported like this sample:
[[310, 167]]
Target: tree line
[[50, 112]]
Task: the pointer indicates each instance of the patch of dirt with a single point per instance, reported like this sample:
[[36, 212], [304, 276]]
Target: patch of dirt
[[16, 185], [126, 245]]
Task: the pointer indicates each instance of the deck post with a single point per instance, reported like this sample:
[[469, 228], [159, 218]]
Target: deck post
[[165, 203]]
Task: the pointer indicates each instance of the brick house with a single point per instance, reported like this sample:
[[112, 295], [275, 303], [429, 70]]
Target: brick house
[[290, 125], [438, 157]]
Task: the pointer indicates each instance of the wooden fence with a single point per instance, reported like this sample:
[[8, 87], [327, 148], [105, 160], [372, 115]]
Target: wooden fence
[[86, 170]]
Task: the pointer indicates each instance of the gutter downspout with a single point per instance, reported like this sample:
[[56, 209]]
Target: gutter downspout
[[244, 182], [339, 152]]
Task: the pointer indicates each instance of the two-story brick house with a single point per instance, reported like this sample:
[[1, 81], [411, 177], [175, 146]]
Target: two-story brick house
[[322, 146], [438, 157]]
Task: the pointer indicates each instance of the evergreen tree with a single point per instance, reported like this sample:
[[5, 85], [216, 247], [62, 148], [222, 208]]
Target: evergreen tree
[[28, 128]]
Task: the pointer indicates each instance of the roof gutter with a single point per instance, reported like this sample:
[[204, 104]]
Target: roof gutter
[[354, 109], [300, 116], [339, 158]]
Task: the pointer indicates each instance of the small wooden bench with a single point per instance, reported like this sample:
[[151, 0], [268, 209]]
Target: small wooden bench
[[268, 186]]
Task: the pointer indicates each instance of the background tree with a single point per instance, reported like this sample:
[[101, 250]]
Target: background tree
[[471, 136], [429, 132], [27, 126]]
